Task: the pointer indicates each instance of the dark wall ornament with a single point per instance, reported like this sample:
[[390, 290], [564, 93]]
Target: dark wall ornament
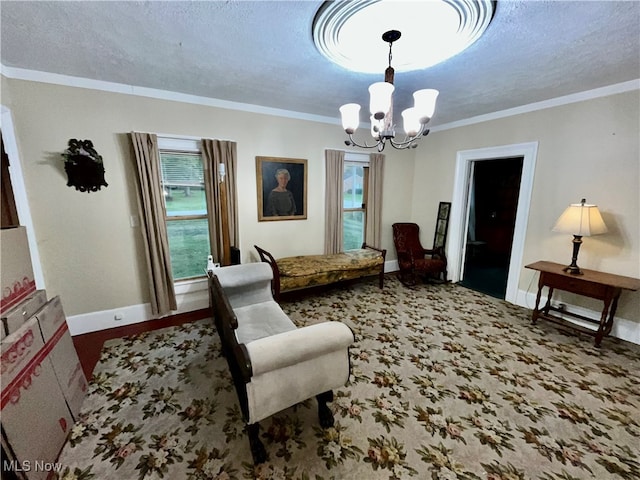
[[84, 167]]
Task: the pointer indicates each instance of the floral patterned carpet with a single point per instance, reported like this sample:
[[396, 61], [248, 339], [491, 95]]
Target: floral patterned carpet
[[446, 383]]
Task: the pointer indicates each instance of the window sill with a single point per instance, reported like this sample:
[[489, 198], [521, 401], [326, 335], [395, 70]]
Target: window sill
[[189, 286]]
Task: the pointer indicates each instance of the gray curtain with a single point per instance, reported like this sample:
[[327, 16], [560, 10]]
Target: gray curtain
[[373, 227], [333, 239], [214, 153], [152, 222]]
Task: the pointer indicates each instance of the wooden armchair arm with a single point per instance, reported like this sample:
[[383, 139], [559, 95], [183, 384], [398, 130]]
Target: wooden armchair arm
[[220, 303], [437, 252], [226, 323]]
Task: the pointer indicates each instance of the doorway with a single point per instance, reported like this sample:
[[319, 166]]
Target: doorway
[[19, 193], [7, 200], [491, 216], [456, 247]]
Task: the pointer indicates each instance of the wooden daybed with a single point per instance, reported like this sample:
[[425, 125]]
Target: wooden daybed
[[304, 271]]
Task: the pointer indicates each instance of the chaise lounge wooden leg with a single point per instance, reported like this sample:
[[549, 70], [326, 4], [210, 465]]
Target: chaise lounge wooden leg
[[258, 451], [325, 415]]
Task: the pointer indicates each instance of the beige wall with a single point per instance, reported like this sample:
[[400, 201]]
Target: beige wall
[[93, 258], [90, 254], [586, 150]]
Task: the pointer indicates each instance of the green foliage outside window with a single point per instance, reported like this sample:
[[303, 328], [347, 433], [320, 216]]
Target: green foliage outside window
[[184, 196]]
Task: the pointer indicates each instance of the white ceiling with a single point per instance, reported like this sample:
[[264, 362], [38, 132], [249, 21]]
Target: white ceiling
[[262, 53]]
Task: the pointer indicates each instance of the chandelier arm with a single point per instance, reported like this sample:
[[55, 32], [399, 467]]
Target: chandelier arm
[[365, 145], [409, 141], [403, 145]]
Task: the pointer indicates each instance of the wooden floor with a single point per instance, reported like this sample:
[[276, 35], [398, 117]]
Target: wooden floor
[[89, 345]]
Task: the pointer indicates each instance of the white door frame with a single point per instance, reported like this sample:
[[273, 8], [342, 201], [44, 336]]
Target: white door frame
[[20, 192], [459, 208]]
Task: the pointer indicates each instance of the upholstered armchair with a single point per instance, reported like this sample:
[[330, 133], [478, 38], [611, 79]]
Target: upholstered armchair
[[415, 261], [274, 365]]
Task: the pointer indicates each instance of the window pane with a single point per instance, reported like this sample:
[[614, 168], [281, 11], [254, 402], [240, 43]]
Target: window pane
[[183, 184], [188, 247], [352, 186], [353, 229]]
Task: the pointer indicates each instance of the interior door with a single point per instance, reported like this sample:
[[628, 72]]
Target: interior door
[[491, 217]]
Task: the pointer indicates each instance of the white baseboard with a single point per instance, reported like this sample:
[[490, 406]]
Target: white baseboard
[[190, 296], [195, 297], [623, 328], [105, 319]]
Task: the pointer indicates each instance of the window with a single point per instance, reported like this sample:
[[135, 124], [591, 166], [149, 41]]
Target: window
[[186, 212], [354, 194]]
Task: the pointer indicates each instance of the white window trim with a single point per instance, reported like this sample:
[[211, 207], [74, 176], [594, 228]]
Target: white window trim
[[353, 157], [179, 143]]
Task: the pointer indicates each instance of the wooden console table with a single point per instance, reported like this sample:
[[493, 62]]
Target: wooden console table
[[602, 286]]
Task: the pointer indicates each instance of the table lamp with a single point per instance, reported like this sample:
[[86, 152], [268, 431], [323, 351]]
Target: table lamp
[[580, 220]]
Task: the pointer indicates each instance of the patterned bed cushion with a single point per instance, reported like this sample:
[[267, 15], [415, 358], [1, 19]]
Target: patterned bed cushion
[[308, 265]]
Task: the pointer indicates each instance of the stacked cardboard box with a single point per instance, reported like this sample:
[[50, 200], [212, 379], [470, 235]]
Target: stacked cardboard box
[[43, 385], [17, 279]]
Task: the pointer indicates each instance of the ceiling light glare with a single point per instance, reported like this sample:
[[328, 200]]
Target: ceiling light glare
[[348, 33]]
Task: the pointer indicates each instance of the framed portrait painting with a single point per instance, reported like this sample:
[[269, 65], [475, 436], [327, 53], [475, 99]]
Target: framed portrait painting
[[282, 188]]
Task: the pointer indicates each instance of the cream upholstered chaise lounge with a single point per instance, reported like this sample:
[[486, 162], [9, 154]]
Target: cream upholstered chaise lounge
[[274, 365]]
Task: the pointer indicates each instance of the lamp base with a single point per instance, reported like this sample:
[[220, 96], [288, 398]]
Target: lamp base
[[573, 270]]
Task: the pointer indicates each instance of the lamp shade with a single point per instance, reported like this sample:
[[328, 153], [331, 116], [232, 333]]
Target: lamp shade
[[350, 113], [380, 99], [411, 121], [581, 219], [425, 103]]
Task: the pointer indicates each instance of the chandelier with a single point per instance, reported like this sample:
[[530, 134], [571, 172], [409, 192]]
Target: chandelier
[[415, 119]]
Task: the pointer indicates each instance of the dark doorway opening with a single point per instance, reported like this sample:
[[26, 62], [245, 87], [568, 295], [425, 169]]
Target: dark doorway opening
[[493, 203], [7, 201]]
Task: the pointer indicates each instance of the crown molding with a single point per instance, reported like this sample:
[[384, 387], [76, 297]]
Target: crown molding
[[79, 82], [553, 102]]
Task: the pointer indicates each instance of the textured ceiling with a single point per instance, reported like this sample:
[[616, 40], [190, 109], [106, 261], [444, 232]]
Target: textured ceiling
[[262, 53]]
